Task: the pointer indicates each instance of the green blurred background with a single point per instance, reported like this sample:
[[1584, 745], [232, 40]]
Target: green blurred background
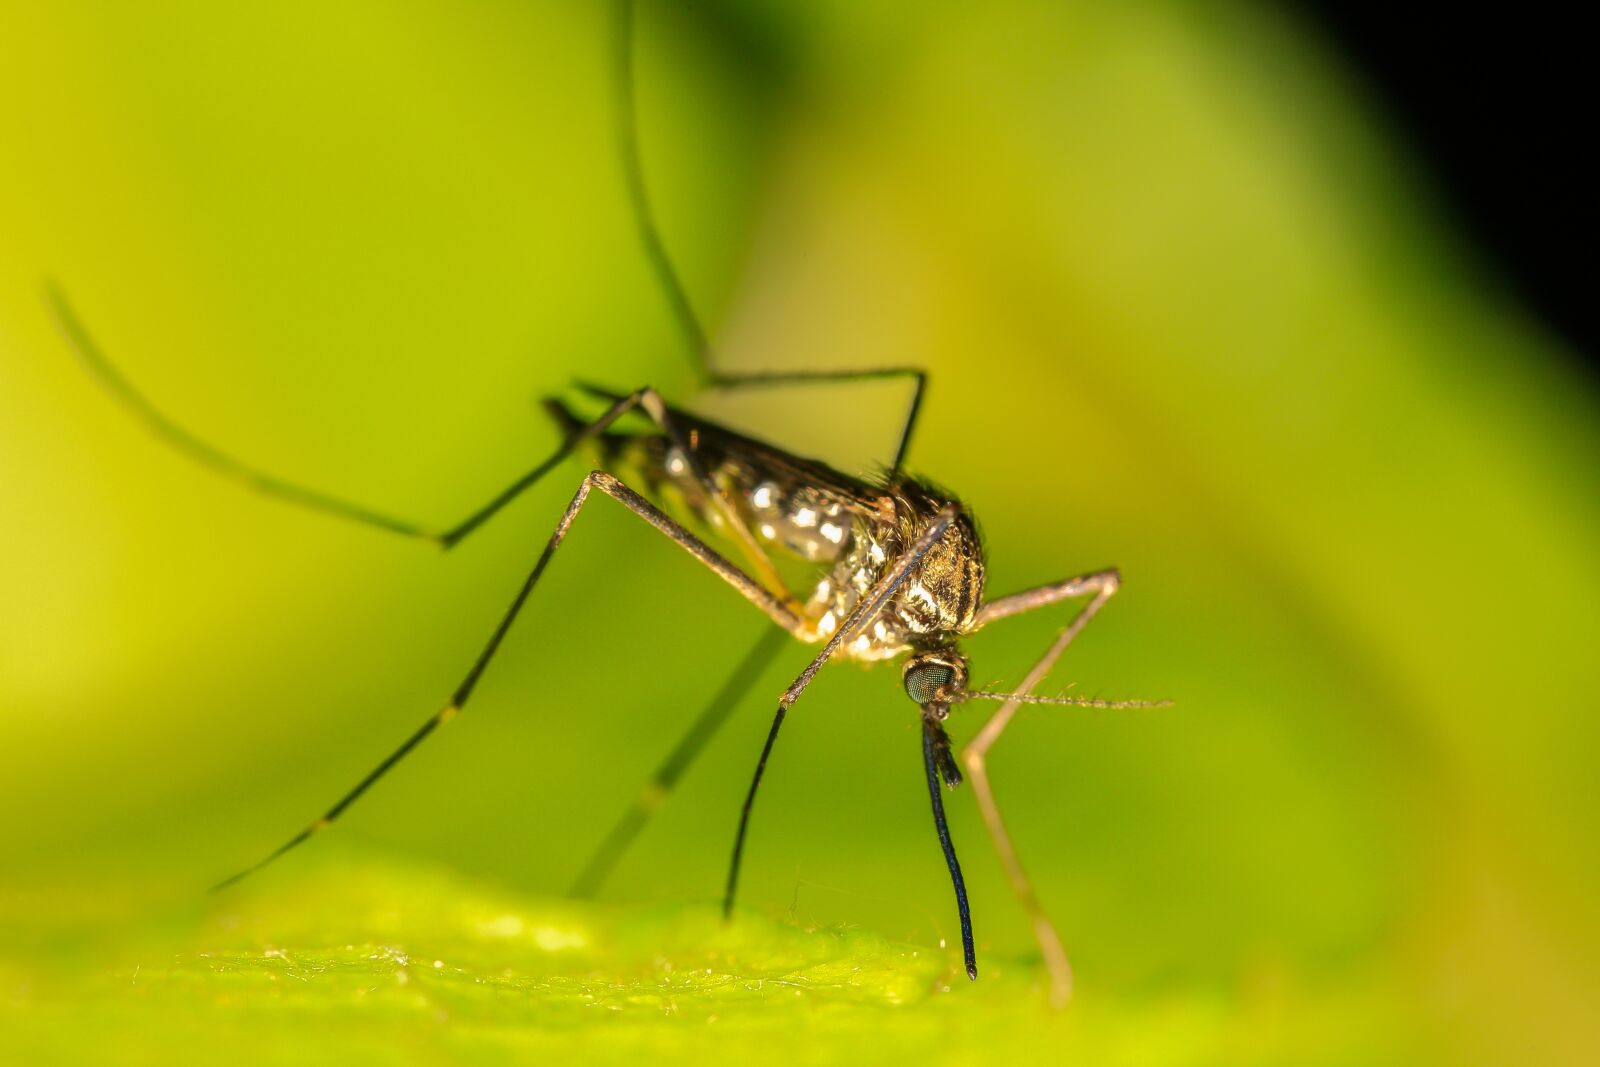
[[1186, 308]]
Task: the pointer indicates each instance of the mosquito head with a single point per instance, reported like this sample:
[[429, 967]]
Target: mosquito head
[[935, 676]]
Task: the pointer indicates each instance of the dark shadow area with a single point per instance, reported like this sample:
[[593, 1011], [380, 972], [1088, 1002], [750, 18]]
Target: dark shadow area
[[1500, 110]]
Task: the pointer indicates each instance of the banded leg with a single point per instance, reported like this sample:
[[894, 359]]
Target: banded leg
[[745, 585], [625, 112], [652, 404], [736, 526], [1102, 585], [205, 453], [919, 378], [699, 734], [660, 261], [864, 612], [226, 465], [655, 791]]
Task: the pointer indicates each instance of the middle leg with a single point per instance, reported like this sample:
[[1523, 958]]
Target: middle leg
[[694, 740], [745, 585]]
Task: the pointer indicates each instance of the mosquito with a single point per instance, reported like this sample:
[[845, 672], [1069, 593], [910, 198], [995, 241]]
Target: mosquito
[[896, 567]]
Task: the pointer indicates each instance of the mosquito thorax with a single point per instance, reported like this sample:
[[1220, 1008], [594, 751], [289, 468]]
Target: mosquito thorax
[[933, 677]]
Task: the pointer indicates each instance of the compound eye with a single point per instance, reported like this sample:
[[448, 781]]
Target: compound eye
[[923, 682]]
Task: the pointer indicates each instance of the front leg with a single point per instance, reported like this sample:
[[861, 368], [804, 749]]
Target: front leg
[[1103, 585]]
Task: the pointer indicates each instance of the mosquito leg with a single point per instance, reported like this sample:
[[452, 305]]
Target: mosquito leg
[[699, 734], [1044, 595], [748, 587], [644, 218], [666, 274], [919, 377], [864, 612], [620, 406], [237, 470], [652, 405], [200, 451], [975, 756]]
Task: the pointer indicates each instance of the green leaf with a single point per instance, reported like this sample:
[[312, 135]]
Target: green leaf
[[366, 962]]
